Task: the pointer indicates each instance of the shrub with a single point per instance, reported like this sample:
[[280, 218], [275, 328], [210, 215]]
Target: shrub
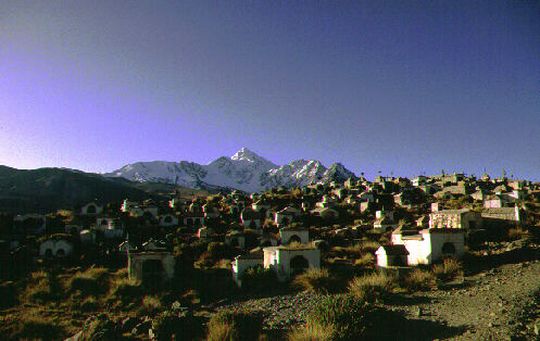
[[89, 282], [312, 332], [314, 280], [218, 250], [150, 305], [99, 328], [338, 317], [448, 270], [517, 233], [89, 304], [369, 246], [35, 327], [366, 260], [125, 291], [372, 286], [168, 326], [237, 325], [258, 278], [420, 279], [42, 287]]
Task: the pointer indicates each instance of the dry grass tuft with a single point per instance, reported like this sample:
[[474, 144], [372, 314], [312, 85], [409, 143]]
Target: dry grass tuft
[[151, 305], [448, 270], [314, 280], [373, 286], [234, 325], [366, 260], [312, 332], [90, 282], [420, 279], [35, 327]]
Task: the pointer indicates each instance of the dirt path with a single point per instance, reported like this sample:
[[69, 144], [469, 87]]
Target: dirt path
[[497, 304]]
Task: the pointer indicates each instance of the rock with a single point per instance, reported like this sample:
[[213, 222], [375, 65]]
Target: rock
[[75, 337], [129, 323], [142, 328]]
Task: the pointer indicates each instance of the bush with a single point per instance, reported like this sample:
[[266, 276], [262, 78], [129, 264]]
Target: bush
[[218, 250], [517, 233], [150, 305], [314, 280], [420, 279], [448, 270], [312, 333], [90, 282], [168, 326], [89, 304], [35, 327], [369, 246], [374, 286], [258, 279], [42, 287], [366, 260], [125, 291], [99, 328], [235, 325], [338, 317]]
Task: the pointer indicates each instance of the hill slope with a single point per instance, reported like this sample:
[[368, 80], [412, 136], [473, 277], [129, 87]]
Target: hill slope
[[49, 189]]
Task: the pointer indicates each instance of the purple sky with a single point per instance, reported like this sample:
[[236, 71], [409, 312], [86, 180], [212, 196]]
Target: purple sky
[[397, 86]]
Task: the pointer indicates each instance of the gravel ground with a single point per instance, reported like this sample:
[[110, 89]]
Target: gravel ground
[[500, 302]]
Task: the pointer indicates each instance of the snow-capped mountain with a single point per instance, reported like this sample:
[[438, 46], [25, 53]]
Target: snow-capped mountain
[[245, 171]]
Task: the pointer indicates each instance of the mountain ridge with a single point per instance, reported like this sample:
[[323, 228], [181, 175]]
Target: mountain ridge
[[245, 170]]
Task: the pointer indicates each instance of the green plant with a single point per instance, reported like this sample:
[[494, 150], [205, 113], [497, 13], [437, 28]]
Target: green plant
[[314, 280], [235, 325], [374, 286], [338, 317]]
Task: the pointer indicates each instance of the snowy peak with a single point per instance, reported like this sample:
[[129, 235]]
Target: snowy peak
[[247, 155], [245, 170]]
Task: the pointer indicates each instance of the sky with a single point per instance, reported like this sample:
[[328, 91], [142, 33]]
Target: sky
[[397, 87]]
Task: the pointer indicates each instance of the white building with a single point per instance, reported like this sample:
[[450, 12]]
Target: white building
[[293, 234], [289, 261], [286, 216], [428, 245], [55, 246], [392, 255], [243, 262], [285, 261], [455, 219]]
